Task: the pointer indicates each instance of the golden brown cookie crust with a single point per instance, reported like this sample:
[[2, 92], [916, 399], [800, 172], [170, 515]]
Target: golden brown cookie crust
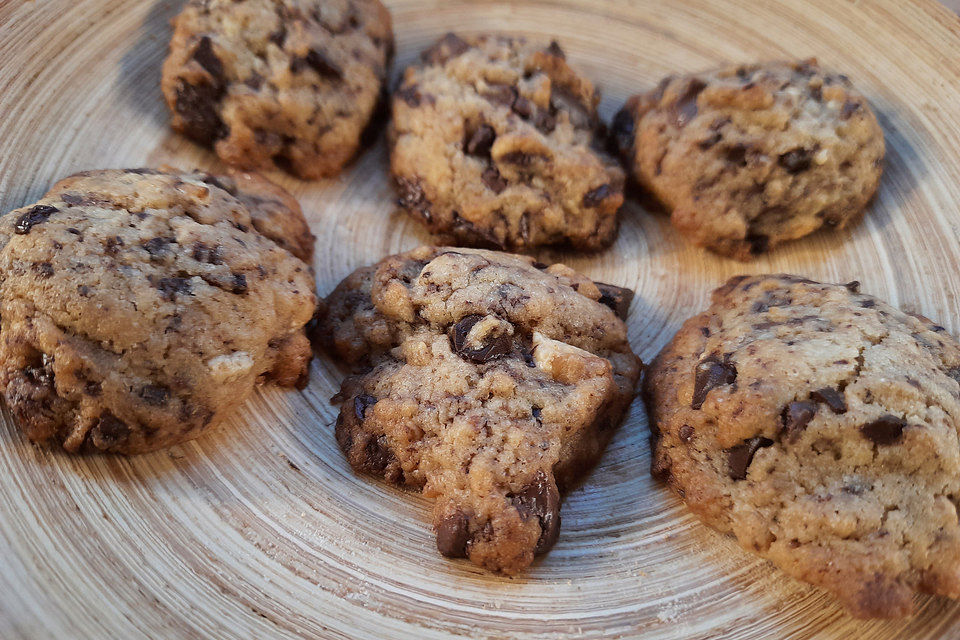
[[138, 307], [747, 157], [819, 426], [288, 83], [491, 382], [494, 144]]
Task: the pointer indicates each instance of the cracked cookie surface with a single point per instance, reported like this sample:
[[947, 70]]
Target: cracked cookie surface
[[819, 426], [747, 157], [494, 144], [490, 381], [138, 306], [287, 83]]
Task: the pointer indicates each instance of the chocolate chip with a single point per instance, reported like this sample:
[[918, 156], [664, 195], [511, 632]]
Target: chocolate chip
[[453, 534], [555, 50], [617, 298], [796, 160], [412, 197], [795, 418], [519, 158], [33, 216], [75, 199], [170, 287], [849, 108], [377, 457], [622, 130], [544, 121], [239, 283], [156, 246], [853, 286], [112, 246], [205, 253], [361, 403], [685, 108], [685, 433], [110, 430], [499, 346], [740, 456], [319, 62], [197, 107], [540, 499], [710, 374], [154, 395], [207, 59], [480, 142], [868, 304], [594, 197], [832, 398], [885, 430], [523, 107], [279, 36], [494, 181], [501, 94], [450, 46], [537, 413], [736, 154], [92, 388], [43, 269]]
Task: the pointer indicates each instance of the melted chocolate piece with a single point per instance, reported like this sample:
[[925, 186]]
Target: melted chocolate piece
[[480, 142], [33, 216], [617, 298], [740, 456], [453, 534], [710, 373], [154, 395], [450, 46], [685, 109], [795, 417], [540, 499], [594, 197], [360, 405], [885, 430], [494, 181], [499, 346], [833, 398], [796, 160]]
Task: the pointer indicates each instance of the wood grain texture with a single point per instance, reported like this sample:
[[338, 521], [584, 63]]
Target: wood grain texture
[[260, 529]]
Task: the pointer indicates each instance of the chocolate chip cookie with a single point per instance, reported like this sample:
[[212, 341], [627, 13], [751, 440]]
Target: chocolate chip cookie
[[750, 156], [493, 144], [137, 307], [288, 83], [489, 381], [819, 426]]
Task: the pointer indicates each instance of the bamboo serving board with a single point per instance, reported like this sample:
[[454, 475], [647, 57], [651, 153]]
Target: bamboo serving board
[[261, 530]]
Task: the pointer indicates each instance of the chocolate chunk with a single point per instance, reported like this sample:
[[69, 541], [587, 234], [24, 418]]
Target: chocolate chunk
[[853, 286], [450, 46], [499, 346], [412, 197], [555, 50], [361, 403], [523, 107], [377, 457], [453, 534], [76, 200], [885, 430], [685, 108], [795, 418], [685, 433], [156, 246], [44, 270], [832, 398], [494, 181], [480, 142], [205, 253], [617, 298], [319, 62], [239, 283], [736, 154], [868, 304], [710, 373], [796, 160], [537, 413], [501, 94], [849, 108], [33, 216], [197, 107], [540, 499], [759, 243], [109, 431], [170, 287], [594, 197], [740, 456], [279, 36], [622, 130], [155, 395], [207, 59], [544, 121]]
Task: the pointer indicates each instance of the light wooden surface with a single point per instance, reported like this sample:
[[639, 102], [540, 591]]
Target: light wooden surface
[[260, 529]]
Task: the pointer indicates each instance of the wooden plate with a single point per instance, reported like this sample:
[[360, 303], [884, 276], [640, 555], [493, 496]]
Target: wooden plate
[[261, 530]]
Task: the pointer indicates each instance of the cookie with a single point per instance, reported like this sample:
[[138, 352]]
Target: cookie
[[138, 307], [819, 426], [750, 156], [487, 380], [494, 142], [278, 83]]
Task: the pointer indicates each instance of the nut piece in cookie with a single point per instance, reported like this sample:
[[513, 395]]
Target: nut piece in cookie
[[488, 380], [138, 307], [748, 157], [494, 143], [818, 426], [284, 83]]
